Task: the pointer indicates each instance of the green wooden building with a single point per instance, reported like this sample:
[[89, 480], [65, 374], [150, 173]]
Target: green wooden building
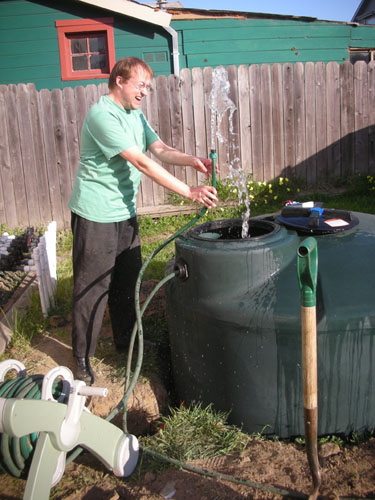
[[60, 43]]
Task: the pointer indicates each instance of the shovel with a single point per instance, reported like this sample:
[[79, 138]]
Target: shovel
[[307, 276]]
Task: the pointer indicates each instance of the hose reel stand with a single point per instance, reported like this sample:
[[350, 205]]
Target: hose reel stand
[[61, 428]]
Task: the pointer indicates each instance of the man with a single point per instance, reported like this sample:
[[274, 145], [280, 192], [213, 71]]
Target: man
[[106, 246]]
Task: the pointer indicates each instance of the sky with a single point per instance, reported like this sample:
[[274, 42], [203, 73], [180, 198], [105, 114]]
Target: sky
[[330, 10]]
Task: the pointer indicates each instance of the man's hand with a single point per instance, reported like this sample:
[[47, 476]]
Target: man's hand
[[203, 165], [205, 195]]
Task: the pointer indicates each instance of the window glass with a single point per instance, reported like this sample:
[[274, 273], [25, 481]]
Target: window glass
[[161, 57], [80, 63], [151, 57], [78, 46], [98, 62], [97, 44], [357, 55]]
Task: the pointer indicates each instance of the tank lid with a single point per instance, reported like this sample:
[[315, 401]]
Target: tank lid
[[316, 220]]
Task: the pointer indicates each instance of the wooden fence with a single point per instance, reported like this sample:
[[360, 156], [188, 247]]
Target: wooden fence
[[313, 121]]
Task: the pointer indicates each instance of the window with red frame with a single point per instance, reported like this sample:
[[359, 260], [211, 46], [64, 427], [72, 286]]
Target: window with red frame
[[86, 48]]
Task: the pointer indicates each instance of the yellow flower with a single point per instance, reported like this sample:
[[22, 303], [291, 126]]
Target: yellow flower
[[275, 197], [269, 186], [298, 190], [286, 179], [270, 190], [288, 189], [265, 201]]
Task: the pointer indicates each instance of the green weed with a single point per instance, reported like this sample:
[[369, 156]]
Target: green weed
[[195, 432]]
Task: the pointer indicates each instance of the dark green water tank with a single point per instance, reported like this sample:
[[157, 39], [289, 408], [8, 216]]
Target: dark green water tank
[[235, 321]]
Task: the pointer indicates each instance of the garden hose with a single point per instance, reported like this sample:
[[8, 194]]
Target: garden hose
[[16, 453], [138, 327], [130, 382]]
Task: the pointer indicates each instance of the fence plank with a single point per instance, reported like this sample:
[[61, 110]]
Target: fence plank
[[188, 122], [256, 123], [234, 122], [20, 192], [310, 121], [176, 121], [71, 130], [165, 131], [152, 190], [200, 135], [8, 208], [347, 118], [41, 174], [62, 159], [244, 120], [146, 188], [207, 87], [289, 119], [92, 95], [220, 123], [267, 131], [321, 120], [51, 159], [333, 119], [300, 120], [278, 120], [81, 109], [27, 153], [361, 117], [371, 107]]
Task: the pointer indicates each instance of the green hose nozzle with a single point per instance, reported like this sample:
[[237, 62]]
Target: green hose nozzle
[[213, 157], [308, 271]]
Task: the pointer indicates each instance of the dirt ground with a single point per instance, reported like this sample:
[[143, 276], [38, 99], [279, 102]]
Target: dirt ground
[[280, 468]]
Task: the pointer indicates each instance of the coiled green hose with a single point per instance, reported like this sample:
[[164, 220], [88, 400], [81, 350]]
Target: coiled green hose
[[16, 453]]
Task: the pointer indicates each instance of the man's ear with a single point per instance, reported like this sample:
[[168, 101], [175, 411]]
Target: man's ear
[[119, 81]]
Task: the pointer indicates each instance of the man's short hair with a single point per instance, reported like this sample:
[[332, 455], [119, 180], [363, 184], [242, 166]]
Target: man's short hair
[[124, 68]]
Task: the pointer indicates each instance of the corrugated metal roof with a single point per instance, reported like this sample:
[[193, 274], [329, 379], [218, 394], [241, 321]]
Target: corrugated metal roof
[[190, 14]]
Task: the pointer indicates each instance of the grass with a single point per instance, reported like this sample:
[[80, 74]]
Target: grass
[[195, 432]]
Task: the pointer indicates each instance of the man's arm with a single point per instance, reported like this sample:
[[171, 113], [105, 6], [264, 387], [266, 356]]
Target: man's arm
[[201, 194], [172, 156]]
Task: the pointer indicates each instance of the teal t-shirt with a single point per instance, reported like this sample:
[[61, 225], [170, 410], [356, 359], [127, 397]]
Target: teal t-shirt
[[106, 185]]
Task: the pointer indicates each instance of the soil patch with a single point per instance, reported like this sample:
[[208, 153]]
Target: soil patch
[[346, 472]]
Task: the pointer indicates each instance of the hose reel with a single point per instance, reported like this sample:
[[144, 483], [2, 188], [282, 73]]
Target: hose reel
[[44, 418]]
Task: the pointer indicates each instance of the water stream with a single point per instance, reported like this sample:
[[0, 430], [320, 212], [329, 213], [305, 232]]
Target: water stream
[[220, 103]]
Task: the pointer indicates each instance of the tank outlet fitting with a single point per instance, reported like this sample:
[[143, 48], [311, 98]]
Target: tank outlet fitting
[[307, 267], [181, 270]]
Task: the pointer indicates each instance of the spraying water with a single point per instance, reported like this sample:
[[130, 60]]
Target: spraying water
[[219, 103]]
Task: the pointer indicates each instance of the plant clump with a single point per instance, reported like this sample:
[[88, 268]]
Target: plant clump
[[193, 432]]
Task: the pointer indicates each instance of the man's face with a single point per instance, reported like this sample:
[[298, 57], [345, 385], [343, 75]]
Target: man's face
[[132, 91]]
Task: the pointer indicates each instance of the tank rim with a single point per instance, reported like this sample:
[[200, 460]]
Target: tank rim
[[208, 230]]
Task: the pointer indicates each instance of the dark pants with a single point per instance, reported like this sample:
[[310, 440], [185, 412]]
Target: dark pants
[[106, 263]]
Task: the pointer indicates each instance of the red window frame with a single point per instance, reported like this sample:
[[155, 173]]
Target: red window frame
[[89, 27]]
